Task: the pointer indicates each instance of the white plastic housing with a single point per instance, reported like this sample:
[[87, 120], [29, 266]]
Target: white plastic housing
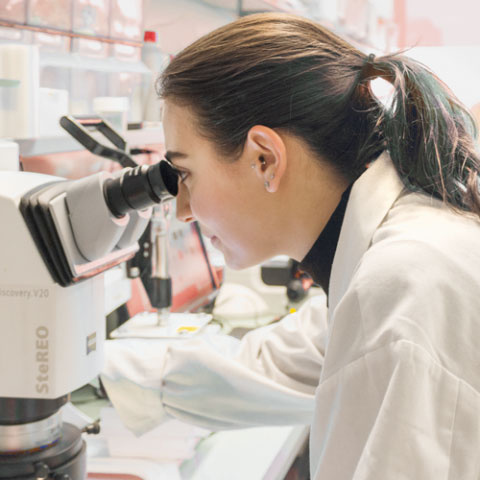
[[51, 340]]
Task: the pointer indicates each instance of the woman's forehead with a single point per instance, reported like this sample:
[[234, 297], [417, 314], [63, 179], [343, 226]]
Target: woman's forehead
[[178, 126], [182, 133]]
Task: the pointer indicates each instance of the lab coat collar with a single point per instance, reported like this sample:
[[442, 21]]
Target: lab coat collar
[[372, 196]]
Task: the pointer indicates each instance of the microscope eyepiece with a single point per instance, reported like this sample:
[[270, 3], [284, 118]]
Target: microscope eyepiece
[[140, 187]]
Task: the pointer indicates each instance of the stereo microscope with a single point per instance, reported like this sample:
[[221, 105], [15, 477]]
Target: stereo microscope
[[58, 236]]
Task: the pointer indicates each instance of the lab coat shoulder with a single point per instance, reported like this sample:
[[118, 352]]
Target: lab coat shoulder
[[419, 281], [401, 370]]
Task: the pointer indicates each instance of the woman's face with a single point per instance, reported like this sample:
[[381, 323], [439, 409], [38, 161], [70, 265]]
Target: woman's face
[[226, 197]]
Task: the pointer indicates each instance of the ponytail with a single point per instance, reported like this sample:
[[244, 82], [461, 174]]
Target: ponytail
[[429, 134]]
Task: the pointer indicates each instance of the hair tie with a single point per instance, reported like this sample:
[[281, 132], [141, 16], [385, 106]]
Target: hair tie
[[368, 68]]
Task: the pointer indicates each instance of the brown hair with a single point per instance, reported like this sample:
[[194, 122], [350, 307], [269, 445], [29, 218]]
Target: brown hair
[[289, 73]]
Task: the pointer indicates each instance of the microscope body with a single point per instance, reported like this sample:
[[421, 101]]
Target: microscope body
[[58, 237], [51, 340]]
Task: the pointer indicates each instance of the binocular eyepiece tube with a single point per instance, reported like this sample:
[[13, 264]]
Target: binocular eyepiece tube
[[140, 187]]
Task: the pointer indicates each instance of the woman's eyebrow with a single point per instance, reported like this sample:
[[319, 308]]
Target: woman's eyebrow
[[172, 156]]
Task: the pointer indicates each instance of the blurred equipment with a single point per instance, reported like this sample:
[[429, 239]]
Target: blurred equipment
[[53, 103], [184, 267], [286, 272], [114, 110], [262, 294], [61, 235], [176, 279]]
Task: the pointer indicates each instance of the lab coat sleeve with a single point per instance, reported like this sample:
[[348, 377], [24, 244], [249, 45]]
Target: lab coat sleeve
[[268, 378]]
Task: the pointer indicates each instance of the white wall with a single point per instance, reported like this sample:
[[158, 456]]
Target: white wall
[[442, 22], [458, 67], [180, 22]]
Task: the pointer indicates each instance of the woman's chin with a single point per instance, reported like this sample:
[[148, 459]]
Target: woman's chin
[[236, 263]]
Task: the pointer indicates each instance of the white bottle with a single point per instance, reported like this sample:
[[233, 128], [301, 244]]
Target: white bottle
[[156, 61]]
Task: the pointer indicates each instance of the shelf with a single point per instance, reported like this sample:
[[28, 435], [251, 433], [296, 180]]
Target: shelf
[[83, 62], [248, 6], [303, 8], [289, 6]]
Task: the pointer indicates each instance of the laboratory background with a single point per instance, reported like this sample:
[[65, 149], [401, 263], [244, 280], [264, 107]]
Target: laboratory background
[[79, 112]]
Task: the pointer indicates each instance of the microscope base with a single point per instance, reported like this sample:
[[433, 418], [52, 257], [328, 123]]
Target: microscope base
[[66, 459]]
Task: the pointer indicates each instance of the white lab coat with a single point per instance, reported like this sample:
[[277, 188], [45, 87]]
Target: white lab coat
[[388, 377]]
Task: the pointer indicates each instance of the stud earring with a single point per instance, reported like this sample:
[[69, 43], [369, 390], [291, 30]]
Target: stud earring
[[252, 165], [267, 185], [262, 161]]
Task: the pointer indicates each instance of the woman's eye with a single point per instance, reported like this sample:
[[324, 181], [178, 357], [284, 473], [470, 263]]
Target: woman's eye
[[182, 175]]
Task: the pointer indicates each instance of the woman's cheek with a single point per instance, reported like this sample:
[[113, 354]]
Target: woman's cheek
[[206, 208]]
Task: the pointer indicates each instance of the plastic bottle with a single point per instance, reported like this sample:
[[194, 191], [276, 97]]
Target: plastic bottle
[[156, 61]]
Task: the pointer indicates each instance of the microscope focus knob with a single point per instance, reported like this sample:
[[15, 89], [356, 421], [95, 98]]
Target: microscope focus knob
[[92, 428]]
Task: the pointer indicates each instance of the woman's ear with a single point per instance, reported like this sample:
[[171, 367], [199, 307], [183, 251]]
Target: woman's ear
[[267, 154]]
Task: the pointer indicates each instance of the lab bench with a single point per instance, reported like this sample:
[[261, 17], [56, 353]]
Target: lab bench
[[260, 453]]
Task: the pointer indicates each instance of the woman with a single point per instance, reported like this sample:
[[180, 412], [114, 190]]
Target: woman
[[282, 148]]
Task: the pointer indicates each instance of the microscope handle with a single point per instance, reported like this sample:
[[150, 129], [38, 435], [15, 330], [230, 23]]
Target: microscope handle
[[77, 127]]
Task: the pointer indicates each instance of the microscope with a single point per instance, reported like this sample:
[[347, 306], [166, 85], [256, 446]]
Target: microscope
[[58, 236], [150, 263]]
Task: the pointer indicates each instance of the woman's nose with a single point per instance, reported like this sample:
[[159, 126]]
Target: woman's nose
[[184, 212]]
